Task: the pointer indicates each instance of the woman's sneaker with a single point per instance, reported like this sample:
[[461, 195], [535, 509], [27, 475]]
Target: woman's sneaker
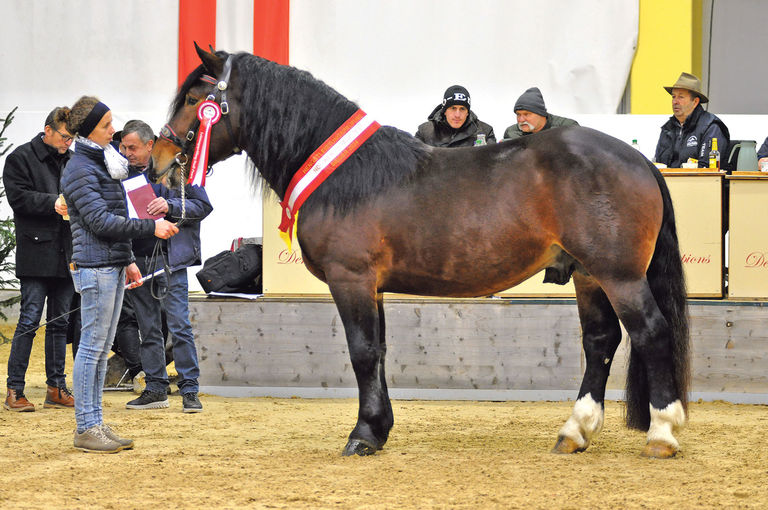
[[127, 444], [94, 440], [190, 403], [149, 400]]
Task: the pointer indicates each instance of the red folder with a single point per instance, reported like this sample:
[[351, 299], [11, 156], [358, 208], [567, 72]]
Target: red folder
[[139, 194]]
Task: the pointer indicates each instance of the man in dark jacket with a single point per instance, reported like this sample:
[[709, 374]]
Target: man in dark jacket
[[453, 124], [532, 116], [690, 130], [762, 153], [182, 250], [43, 248]]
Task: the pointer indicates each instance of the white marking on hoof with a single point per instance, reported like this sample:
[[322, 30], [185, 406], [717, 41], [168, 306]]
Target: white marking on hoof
[[585, 422], [664, 422]]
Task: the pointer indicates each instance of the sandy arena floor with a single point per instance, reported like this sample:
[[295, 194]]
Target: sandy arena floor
[[285, 453]]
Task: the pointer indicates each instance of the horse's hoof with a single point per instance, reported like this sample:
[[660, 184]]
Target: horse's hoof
[[566, 445], [659, 450], [358, 447]]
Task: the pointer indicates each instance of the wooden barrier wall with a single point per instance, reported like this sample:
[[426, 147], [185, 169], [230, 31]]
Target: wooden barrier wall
[[496, 349]]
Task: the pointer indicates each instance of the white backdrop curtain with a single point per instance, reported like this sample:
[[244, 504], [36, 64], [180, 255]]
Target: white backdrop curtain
[[394, 58]]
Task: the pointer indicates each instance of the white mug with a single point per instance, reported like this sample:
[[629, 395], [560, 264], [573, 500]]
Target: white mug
[[764, 166]]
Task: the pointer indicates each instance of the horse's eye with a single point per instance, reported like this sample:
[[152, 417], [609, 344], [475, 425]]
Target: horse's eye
[[191, 101]]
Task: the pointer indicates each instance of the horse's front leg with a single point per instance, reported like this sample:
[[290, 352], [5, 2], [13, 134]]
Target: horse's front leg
[[361, 312]]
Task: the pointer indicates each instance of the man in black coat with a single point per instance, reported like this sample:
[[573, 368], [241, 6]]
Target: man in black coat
[[43, 248], [688, 134], [453, 124]]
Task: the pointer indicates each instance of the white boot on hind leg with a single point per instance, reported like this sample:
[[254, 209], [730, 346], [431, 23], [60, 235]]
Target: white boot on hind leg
[[661, 441], [585, 423]]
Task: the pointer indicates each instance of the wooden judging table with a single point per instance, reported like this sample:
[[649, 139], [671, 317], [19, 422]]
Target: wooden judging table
[[748, 238], [696, 195], [283, 271]]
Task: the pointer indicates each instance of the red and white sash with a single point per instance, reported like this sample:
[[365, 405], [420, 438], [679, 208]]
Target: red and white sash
[[320, 164]]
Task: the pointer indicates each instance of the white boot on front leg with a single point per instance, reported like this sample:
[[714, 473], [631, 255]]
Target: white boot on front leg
[[664, 422], [585, 423]]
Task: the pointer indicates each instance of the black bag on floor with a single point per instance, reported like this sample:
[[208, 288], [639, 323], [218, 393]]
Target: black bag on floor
[[233, 271]]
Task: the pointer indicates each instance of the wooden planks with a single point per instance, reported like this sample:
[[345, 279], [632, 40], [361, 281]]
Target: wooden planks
[[474, 344]]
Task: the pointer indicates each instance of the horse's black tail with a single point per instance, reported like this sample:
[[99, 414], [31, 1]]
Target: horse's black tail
[[667, 282]]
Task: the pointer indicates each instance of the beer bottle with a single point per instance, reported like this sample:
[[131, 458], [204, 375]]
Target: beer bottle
[[714, 156]]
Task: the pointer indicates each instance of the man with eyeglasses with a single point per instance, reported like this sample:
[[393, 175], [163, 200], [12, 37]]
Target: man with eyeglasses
[[43, 248]]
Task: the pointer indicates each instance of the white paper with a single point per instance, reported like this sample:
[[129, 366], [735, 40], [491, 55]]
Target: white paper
[[130, 185]]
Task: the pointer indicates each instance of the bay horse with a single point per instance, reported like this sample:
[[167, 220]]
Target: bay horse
[[400, 216]]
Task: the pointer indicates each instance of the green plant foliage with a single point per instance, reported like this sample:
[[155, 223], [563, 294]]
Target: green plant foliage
[[7, 241]]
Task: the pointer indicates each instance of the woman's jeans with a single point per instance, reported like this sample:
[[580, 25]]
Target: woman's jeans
[[101, 298], [35, 292]]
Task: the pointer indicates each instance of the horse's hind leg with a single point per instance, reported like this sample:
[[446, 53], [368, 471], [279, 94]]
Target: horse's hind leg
[[601, 335], [652, 342], [363, 317]]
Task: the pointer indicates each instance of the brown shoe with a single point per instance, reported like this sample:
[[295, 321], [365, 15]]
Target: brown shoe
[[60, 398], [16, 401]]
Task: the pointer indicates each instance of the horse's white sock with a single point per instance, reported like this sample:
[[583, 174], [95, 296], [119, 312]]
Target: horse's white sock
[[664, 422], [585, 422]]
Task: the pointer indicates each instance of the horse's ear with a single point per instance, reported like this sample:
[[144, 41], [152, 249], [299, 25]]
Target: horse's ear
[[212, 63]]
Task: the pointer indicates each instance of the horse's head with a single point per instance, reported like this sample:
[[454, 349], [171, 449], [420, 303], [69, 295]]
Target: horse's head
[[173, 152]]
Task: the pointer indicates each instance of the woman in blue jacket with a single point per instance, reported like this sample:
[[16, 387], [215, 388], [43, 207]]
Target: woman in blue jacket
[[102, 261]]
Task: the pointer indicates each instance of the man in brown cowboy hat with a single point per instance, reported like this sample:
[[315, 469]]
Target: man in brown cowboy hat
[[690, 130]]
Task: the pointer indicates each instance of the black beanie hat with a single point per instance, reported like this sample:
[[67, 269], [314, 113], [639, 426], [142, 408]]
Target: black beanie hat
[[456, 94], [531, 101]]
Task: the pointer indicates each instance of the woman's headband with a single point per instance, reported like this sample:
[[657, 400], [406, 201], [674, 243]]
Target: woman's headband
[[92, 120]]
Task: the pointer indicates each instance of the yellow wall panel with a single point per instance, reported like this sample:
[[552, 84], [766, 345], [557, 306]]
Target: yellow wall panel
[[664, 50]]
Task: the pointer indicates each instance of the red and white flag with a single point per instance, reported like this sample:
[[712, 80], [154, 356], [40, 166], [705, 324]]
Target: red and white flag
[[198, 20]]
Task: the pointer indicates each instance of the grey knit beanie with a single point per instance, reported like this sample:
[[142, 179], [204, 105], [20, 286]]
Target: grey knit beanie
[[531, 101]]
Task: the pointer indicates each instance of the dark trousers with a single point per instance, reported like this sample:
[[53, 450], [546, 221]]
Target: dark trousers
[[127, 340], [56, 295], [148, 309], [75, 325]]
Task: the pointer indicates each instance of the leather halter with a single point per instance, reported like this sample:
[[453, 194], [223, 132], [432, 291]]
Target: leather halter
[[220, 89]]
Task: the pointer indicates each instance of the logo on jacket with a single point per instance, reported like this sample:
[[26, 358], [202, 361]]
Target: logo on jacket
[[692, 141]]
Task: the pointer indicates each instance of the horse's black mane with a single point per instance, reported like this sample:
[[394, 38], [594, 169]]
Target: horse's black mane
[[286, 114], [190, 81]]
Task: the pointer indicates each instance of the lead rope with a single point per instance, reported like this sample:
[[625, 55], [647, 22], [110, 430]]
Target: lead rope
[[73, 310], [183, 203], [158, 252]]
